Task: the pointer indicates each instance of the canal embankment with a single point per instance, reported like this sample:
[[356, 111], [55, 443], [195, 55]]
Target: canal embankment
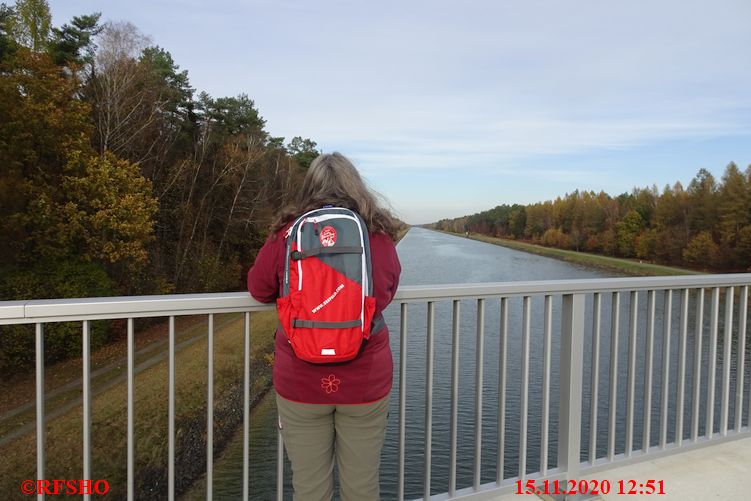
[[63, 410], [633, 267]]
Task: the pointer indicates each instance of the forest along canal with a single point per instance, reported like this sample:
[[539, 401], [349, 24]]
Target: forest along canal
[[429, 257]]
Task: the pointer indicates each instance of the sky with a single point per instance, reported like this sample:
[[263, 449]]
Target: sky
[[452, 107]]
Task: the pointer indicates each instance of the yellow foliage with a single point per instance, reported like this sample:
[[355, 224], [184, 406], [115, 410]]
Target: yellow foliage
[[113, 205]]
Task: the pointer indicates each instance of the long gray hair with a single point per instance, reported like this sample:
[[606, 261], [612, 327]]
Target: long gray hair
[[333, 180]]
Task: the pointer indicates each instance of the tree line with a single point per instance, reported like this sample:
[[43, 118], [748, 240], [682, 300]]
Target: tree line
[[117, 177], [704, 226]]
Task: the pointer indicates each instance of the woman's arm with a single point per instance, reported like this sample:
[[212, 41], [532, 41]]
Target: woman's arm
[[263, 276], [385, 268]]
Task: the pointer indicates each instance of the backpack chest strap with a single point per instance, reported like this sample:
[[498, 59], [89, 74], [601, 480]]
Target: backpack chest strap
[[298, 255]]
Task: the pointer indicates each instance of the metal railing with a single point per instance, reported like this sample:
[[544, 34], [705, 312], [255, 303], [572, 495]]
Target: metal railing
[[575, 321]]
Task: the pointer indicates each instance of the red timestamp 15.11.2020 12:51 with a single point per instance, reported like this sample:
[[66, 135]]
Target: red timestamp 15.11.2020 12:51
[[593, 487]]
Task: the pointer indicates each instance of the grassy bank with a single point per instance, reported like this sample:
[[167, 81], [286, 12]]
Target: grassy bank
[[402, 231], [109, 417], [618, 265]]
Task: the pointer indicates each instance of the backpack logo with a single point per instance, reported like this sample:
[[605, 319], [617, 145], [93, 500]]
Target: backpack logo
[[328, 299], [327, 236]]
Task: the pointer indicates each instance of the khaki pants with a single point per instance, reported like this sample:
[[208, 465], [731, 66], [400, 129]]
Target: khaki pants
[[317, 435]]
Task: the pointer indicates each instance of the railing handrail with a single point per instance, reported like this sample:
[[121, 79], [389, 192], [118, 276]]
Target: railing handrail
[[571, 331], [55, 310]]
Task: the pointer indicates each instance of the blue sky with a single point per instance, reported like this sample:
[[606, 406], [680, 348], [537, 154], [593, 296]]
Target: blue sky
[[451, 107]]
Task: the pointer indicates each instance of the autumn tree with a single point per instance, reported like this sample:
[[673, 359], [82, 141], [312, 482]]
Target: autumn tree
[[115, 179], [702, 198], [701, 251], [627, 230], [7, 16], [734, 209], [672, 227], [110, 203], [55, 192], [41, 123], [517, 221], [30, 24], [76, 224]]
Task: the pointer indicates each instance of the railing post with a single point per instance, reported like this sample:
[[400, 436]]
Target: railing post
[[171, 412], [454, 422], [131, 408], [569, 417], [40, 402], [279, 463], [402, 402], [86, 403], [246, 406], [210, 412], [429, 399], [479, 370]]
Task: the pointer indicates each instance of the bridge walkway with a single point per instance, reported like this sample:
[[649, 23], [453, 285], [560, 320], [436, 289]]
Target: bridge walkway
[[716, 472]]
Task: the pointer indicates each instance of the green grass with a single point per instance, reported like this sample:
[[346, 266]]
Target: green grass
[[626, 266]]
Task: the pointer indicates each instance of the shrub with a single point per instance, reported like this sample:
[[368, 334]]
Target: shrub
[[554, 237], [702, 251], [67, 279]]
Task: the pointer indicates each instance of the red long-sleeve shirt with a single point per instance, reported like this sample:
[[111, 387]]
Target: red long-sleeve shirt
[[367, 378]]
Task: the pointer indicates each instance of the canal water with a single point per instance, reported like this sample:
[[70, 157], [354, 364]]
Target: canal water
[[429, 257]]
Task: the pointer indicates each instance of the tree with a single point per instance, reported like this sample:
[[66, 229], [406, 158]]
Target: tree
[[175, 90], [59, 200], [111, 203], [73, 44], [626, 232], [644, 201], [7, 43], [701, 251], [303, 151], [702, 194], [95, 164], [517, 221], [40, 124], [743, 250], [734, 204], [593, 214], [31, 25], [538, 220], [646, 244], [554, 237], [123, 104], [44, 280], [671, 223], [232, 115]]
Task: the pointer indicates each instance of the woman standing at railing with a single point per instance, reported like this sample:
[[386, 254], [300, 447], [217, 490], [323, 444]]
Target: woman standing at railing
[[333, 412]]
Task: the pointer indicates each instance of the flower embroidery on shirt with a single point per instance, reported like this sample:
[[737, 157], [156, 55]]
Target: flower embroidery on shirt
[[331, 383]]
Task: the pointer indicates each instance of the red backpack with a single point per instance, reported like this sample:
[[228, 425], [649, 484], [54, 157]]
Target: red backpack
[[326, 306]]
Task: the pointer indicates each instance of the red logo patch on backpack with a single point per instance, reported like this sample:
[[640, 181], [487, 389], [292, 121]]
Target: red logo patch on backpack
[[326, 307], [327, 236]]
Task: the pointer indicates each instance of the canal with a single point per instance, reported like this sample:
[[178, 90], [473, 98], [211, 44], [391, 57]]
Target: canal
[[429, 257]]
